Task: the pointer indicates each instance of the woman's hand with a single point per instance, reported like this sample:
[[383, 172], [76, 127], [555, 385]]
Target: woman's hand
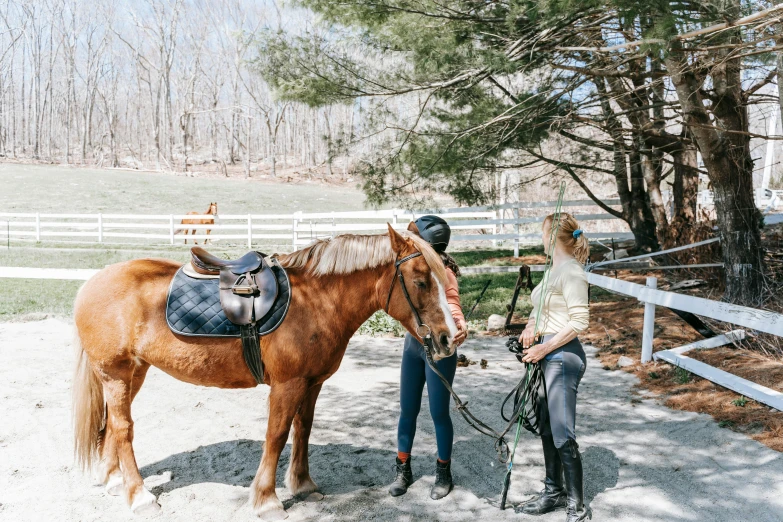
[[536, 353], [527, 337], [462, 334]]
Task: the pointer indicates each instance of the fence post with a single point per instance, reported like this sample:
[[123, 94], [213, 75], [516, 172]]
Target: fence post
[[171, 228], [394, 216], [249, 231], [294, 232], [516, 230], [495, 229], [649, 324], [100, 228], [38, 226]]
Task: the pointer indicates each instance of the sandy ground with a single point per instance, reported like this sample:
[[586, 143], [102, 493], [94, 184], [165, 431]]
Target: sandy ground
[[199, 448]]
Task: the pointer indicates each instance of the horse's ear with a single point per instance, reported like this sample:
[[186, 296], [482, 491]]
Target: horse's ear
[[397, 241], [413, 228]]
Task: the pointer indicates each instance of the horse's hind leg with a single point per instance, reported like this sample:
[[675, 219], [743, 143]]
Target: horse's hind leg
[[109, 473], [193, 233], [120, 385], [284, 401], [298, 478]]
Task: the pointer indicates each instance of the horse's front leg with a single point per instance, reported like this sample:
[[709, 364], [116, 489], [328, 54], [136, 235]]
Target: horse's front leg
[[298, 478], [284, 401]]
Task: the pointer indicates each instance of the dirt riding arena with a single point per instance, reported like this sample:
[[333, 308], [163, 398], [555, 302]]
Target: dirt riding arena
[[198, 448]]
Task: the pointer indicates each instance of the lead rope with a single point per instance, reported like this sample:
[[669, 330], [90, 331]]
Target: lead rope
[[528, 366]]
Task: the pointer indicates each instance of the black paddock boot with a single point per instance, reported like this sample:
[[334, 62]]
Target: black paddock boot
[[572, 469], [443, 482], [404, 478], [553, 496]]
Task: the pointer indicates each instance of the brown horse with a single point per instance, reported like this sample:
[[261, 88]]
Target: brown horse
[[211, 211], [336, 285]]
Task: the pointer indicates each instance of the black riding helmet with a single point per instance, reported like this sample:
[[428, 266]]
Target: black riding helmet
[[435, 231]]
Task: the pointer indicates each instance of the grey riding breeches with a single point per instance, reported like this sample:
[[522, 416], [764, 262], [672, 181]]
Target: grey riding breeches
[[563, 370]]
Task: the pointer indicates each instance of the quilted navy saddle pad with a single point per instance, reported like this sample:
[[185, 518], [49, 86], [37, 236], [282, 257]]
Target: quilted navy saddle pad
[[193, 307]]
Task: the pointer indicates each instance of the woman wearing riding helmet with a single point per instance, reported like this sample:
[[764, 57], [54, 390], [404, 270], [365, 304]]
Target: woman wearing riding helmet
[[563, 315], [415, 372]]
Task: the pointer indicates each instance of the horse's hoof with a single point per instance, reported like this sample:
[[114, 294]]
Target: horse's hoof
[[114, 485], [272, 514], [145, 503], [301, 488], [315, 496], [272, 510]]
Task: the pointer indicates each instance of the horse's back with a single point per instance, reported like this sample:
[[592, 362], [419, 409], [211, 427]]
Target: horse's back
[[124, 291]]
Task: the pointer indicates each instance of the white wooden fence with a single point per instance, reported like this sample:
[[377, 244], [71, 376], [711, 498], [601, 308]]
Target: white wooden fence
[[496, 223], [516, 223], [758, 320], [766, 199]]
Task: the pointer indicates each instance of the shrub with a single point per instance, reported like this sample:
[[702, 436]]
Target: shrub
[[381, 323]]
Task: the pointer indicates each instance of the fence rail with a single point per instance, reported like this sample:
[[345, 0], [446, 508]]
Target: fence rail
[[471, 224], [513, 222], [758, 320]]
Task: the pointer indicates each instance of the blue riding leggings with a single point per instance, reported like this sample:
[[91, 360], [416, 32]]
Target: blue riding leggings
[[415, 372], [563, 370]]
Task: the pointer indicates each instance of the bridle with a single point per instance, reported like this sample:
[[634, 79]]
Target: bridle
[[422, 330]]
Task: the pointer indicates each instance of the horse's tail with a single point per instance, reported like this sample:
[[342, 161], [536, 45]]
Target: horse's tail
[[89, 409]]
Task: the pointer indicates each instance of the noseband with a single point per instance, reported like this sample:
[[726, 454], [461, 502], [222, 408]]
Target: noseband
[[422, 330]]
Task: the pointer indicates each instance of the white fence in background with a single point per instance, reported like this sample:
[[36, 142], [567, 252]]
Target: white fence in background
[[492, 223], [766, 199], [516, 223], [758, 320]]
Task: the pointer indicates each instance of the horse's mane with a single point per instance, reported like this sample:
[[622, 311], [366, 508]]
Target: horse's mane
[[349, 253]]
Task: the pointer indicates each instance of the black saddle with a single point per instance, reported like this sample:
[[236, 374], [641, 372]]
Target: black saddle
[[247, 298]]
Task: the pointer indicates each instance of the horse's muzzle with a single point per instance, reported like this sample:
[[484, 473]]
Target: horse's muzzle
[[442, 345]]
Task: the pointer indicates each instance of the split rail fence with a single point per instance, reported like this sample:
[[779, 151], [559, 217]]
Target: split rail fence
[[754, 319]]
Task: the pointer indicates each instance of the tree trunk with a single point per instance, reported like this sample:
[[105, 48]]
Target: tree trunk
[[686, 185], [652, 170], [779, 60], [641, 219], [634, 201], [272, 160], [727, 158]]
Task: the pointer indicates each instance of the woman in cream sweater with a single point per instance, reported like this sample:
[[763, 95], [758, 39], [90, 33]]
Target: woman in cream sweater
[[563, 315]]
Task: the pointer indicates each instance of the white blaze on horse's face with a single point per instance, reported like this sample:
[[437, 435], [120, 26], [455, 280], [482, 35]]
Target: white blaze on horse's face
[[452, 326]]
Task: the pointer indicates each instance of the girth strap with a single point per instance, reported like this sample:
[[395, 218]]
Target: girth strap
[[251, 349]]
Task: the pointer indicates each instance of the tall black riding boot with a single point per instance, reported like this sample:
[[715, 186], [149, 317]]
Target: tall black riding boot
[[443, 482], [553, 496], [404, 478], [572, 469]]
